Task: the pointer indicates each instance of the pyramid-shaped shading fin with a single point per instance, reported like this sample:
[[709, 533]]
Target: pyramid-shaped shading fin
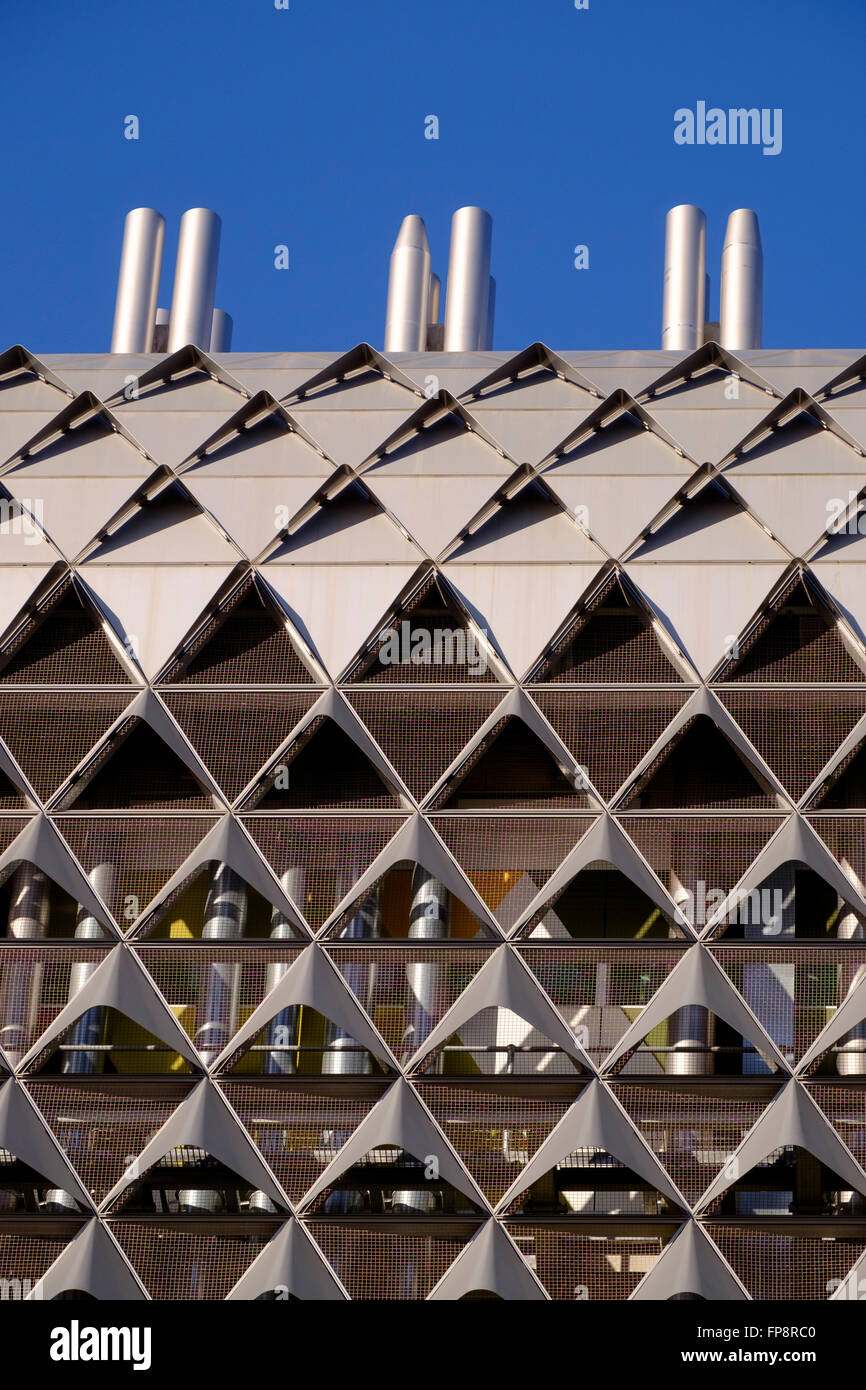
[[100, 1124], [527, 369], [204, 1121], [14, 793], [159, 524], [612, 637], [356, 369], [812, 439], [428, 637], [515, 759], [260, 721], [490, 1263], [793, 1119], [62, 642], [91, 1264], [174, 373], [312, 980], [604, 843], [697, 980], [24, 1134], [33, 385], [119, 983], [795, 639], [40, 845], [691, 1264], [850, 1013], [143, 762], [795, 843], [448, 719], [620, 437], [290, 1265], [701, 760], [504, 982], [417, 844], [693, 1126], [261, 423], [245, 641], [595, 1121], [48, 733], [399, 1118], [331, 762], [84, 424], [227, 845], [495, 1136], [843, 786]]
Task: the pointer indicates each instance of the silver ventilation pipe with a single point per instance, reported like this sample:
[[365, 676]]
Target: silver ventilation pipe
[[91, 1026], [160, 331], [282, 1029], [742, 282], [221, 331], [225, 916], [491, 315], [366, 925], [435, 302], [195, 273], [407, 313], [339, 1060], [684, 304], [468, 290], [690, 1028], [29, 910], [429, 920], [138, 281]]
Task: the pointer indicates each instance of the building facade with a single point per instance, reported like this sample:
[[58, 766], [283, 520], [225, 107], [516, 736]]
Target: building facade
[[433, 825]]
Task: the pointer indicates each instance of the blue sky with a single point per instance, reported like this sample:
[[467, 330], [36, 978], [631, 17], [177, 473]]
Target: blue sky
[[305, 127]]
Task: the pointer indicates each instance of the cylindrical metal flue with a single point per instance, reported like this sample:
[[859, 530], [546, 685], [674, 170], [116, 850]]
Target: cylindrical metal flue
[[192, 301], [90, 1028], [742, 286], [491, 315], [684, 308], [407, 314], [224, 920], [221, 331], [435, 299], [341, 1057], [690, 1028], [138, 281], [467, 292], [428, 921], [851, 1056], [29, 910], [160, 331], [283, 1028]]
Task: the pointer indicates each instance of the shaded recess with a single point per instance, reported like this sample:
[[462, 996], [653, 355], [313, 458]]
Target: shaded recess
[[795, 640], [611, 639], [62, 642], [510, 767], [245, 642]]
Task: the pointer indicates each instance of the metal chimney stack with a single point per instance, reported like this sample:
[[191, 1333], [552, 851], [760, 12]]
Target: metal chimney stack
[[742, 287], [407, 314], [138, 281], [221, 331], [192, 304], [467, 295], [684, 306]]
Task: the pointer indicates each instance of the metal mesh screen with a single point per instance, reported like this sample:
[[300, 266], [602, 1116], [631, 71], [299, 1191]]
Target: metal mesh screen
[[794, 641], [386, 1264], [786, 1267], [298, 1131], [174, 1263], [61, 644], [495, 1135], [422, 732], [327, 853], [428, 641], [511, 767], [102, 1124], [323, 768], [699, 767], [509, 859], [244, 643], [609, 732], [575, 1267], [235, 732], [611, 641], [49, 734], [796, 732], [136, 769], [704, 854]]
